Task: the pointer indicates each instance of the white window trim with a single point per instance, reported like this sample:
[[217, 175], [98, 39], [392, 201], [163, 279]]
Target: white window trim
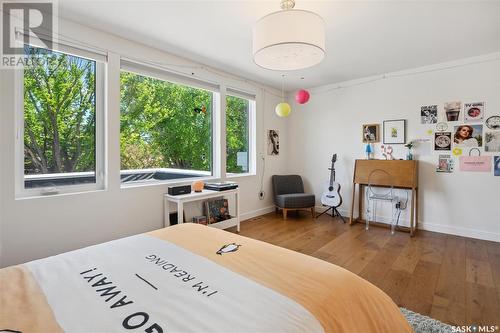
[[100, 152], [158, 73], [252, 133]]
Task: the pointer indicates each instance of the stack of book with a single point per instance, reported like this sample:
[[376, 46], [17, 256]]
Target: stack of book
[[222, 186]]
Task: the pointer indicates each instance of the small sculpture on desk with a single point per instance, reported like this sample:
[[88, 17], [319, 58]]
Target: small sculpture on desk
[[198, 186], [369, 151], [387, 152]]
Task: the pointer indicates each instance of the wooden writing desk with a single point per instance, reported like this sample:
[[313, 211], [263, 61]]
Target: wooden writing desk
[[404, 175]]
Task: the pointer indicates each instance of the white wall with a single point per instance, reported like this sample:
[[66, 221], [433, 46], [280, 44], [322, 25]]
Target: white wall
[[461, 203], [35, 228]]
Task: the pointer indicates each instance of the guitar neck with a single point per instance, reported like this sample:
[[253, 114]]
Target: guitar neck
[[332, 175]]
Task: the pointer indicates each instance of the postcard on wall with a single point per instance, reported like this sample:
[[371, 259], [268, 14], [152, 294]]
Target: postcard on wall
[[496, 165], [445, 164], [442, 141], [474, 112], [452, 110], [470, 136], [492, 142], [273, 142], [493, 122], [429, 114]]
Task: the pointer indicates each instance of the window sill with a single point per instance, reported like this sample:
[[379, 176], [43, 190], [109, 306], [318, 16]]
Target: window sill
[[240, 175], [63, 193], [173, 182]]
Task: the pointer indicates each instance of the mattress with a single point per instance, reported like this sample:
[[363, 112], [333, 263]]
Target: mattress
[[191, 278]]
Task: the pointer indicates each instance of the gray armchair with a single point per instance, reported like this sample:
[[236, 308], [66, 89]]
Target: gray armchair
[[289, 194]]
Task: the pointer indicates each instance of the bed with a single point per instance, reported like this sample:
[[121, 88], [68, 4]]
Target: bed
[[190, 278]]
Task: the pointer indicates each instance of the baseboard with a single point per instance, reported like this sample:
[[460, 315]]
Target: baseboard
[[460, 231], [435, 227], [255, 213]]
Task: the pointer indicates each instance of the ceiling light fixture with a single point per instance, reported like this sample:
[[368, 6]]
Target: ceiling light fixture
[[289, 39]]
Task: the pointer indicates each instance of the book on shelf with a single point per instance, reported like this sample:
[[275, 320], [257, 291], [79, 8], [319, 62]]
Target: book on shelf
[[217, 210]]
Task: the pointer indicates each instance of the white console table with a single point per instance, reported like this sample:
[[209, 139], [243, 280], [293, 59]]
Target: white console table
[[180, 200]]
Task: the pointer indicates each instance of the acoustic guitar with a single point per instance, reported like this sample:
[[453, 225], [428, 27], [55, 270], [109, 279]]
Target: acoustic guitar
[[331, 194]]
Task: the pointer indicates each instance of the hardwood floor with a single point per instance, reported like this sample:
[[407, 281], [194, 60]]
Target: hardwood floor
[[453, 279]]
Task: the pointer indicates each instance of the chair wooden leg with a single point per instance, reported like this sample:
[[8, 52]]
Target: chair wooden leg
[[284, 213], [276, 210], [313, 212]]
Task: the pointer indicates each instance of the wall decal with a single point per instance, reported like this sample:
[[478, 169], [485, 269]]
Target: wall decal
[[474, 112], [429, 114], [273, 142], [493, 122], [441, 127], [475, 163], [468, 135], [457, 151], [452, 110], [442, 141], [445, 164], [492, 141]]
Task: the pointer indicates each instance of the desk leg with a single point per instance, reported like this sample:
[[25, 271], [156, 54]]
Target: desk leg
[[237, 204], [412, 213], [351, 222], [180, 212], [166, 213]]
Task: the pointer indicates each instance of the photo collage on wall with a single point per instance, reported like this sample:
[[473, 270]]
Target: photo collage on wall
[[467, 132]]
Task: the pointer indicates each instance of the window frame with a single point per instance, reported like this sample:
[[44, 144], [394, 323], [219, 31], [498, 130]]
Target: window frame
[[252, 130], [159, 73], [100, 130]]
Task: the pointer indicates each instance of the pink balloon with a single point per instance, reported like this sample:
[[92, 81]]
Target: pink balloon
[[302, 96]]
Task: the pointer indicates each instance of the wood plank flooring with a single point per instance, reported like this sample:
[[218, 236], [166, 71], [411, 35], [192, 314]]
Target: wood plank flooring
[[453, 279]]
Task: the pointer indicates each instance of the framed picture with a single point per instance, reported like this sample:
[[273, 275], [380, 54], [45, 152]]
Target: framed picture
[[371, 133], [395, 131], [273, 142]]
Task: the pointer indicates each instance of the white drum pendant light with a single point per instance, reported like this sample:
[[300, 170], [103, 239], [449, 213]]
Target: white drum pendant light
[[289, 39]]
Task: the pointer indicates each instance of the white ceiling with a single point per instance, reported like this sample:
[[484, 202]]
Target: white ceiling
[[364, 38]]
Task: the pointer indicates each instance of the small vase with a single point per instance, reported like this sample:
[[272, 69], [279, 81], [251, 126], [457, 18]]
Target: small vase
[[409, 156]]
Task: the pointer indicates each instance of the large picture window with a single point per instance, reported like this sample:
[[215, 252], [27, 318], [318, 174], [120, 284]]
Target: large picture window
[[238, 128], [166, 129], [60, 120]]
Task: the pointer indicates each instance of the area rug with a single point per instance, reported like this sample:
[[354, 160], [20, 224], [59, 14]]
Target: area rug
[[424, 324]]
